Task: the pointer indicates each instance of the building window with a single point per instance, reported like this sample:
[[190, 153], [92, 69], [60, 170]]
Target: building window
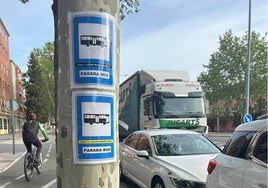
[[1, 124], [5, 123]]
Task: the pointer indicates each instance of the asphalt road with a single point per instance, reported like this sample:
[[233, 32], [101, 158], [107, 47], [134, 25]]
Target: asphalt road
[[13, 177]]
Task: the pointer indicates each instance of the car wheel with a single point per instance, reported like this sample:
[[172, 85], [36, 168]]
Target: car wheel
[[158, 183]]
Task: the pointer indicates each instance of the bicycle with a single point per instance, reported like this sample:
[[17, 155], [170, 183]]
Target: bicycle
[[31, 163]]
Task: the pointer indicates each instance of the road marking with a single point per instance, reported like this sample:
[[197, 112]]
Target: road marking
[[50, 183], [50, 148], [5, 184], [19, 177]]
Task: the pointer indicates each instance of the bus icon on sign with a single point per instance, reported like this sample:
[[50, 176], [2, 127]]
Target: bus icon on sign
[[93, 40], [96, 118]]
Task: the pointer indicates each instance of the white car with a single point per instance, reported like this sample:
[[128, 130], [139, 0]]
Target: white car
[[168, 158], [243, 163]]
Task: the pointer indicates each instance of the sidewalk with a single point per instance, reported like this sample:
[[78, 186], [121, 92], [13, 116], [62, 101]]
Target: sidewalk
[[7, 158]]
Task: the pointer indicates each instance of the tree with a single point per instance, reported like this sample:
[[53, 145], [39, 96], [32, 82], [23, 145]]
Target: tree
[[224, 80], [89, 171], [47, 69], [39, 83], [36, 95], [128, 7]]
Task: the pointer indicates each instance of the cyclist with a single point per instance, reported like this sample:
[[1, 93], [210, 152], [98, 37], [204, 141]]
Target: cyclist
[[30, 135]]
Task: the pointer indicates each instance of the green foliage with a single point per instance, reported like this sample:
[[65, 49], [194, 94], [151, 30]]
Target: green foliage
[[39, 83], [128, 7], [224, 80]]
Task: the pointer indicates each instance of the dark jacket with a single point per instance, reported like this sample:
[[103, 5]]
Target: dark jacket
[[30, 130]]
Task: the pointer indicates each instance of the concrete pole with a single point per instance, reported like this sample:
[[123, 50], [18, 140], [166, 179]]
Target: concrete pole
[[73, 129]]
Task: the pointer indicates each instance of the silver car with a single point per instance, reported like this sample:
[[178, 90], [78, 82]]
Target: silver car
[[166, 158], [243, 162]]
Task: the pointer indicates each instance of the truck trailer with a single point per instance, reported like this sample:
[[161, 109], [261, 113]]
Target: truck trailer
[[153, 99]]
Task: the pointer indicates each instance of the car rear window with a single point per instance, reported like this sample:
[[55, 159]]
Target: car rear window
[[237, 145]]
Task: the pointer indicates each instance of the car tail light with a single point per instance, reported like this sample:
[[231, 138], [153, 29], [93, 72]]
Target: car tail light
[[211, 165]]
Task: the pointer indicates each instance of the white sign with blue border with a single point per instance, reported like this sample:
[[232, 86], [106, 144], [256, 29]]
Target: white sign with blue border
[[92, 49], [94, 121], [247, 118]]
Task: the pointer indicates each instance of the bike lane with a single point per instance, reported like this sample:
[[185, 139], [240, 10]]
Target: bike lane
[[7, 157]]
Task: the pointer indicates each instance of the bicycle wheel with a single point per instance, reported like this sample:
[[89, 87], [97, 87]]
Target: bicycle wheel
[[28, 166], [39, 166]]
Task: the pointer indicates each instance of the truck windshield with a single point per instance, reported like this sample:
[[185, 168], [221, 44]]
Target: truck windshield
[[179, 107]]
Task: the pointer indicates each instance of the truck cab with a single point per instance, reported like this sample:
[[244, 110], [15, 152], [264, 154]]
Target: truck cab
[[174, 105], [153, 99]]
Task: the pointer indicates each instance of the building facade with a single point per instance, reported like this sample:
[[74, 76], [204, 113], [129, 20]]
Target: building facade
[[10, 88], [18, 93], [5, 80]]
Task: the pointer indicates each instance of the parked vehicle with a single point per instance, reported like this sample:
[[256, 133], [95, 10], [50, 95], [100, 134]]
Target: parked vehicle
[[166, 158], [162, 99], [243, 162]]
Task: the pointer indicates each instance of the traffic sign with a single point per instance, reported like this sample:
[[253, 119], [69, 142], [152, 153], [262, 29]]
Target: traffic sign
[[92, 49], [247, 118], [94, 127], [13, 105]]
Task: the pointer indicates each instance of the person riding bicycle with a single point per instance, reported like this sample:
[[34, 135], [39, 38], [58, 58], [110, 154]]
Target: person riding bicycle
[[30, 135]]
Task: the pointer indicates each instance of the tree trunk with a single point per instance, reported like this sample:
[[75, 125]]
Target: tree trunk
[[72, 172]]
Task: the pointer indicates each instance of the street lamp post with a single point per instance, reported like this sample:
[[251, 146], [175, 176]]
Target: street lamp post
[[248, 61]]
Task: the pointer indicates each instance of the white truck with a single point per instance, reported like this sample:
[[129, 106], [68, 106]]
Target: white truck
[[152, 99]]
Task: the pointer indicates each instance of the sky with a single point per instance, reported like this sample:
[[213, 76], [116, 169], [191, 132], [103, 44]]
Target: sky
[[165, 35]]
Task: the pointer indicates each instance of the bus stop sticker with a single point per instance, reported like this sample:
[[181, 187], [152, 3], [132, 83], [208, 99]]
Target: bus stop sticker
[[92, 49], [93, 115]]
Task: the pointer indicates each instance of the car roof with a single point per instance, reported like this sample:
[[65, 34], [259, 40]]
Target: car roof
[[257, 125], [153, 132]]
